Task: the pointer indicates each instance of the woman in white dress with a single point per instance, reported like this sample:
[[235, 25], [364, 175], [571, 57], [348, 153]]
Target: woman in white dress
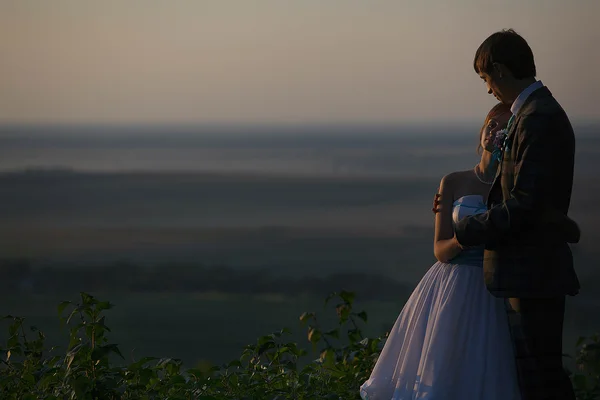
[[451, 340]]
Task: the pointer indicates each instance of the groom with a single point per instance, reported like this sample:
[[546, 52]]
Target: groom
[[526, 262]]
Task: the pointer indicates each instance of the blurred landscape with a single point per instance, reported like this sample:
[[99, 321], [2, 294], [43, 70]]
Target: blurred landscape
[[207, 237]]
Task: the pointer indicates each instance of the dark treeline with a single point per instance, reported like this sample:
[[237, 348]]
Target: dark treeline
[[20, 276]]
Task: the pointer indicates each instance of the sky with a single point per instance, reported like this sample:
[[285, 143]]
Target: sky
[[280, 61]]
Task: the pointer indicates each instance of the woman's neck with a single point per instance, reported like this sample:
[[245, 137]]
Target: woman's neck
[[487, 166]]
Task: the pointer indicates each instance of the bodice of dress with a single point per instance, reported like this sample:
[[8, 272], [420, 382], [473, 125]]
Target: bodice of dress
[[468, 205]]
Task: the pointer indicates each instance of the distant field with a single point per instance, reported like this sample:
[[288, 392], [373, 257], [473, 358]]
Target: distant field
[[294, 226], [348, 205]]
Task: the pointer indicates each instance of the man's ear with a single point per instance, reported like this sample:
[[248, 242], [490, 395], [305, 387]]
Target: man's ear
[[501, 70], [497, 70]]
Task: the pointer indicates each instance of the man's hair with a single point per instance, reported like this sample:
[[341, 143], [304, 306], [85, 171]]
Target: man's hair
[[509, 48]]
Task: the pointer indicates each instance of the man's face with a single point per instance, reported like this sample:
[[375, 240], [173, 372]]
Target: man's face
[[494, 85]]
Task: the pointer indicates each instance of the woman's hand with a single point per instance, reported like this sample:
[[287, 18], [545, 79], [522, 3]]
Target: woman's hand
[[436, 203]]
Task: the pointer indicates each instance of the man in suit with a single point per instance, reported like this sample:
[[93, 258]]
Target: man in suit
[[526, 261]]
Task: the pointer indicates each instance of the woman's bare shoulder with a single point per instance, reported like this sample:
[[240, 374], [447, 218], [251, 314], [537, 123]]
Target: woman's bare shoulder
[[454, 178]]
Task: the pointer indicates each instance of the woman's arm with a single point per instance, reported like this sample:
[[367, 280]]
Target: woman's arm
[[445, 245]]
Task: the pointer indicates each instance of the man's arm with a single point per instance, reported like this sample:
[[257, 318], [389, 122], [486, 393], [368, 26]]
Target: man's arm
[[558, 221], [532, 174]]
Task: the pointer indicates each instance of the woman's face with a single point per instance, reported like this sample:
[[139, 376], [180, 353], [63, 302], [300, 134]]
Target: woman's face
[[495, 123]]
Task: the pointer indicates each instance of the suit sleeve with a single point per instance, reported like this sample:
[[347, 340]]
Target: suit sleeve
[[532, 176]]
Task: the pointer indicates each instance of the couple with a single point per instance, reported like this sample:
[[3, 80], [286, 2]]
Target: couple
[[485, 322]]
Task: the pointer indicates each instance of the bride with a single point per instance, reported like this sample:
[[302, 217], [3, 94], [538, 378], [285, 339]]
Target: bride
[[451, 340]]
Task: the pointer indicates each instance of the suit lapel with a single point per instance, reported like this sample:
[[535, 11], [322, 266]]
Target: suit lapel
[[512, 129]]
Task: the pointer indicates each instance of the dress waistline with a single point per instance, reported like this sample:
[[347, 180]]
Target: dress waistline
[[472, 256]]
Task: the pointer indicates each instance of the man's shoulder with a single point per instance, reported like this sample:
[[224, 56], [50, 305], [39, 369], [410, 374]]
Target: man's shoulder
[[543, 112], [546, 121], [542, 104]]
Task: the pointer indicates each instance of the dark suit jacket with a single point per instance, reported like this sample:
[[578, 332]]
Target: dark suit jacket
[[524, 257]]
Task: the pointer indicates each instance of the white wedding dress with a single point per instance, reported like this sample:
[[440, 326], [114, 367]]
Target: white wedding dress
[[451, 340]]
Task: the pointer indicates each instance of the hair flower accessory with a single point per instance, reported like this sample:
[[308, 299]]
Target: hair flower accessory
[[498, 144]]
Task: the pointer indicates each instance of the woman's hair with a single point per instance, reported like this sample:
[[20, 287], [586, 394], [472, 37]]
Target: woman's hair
[[509, 48], [496, 111]]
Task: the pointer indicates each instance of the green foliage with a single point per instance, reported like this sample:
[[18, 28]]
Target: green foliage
[[586, 380], [91, 367]]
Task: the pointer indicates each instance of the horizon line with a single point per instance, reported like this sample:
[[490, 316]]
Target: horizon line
[[266, 124]]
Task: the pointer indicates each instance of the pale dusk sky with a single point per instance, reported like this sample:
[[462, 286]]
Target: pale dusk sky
[[280, 61]]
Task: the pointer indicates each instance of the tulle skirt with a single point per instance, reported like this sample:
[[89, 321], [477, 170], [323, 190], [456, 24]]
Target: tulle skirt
[[450, 342]]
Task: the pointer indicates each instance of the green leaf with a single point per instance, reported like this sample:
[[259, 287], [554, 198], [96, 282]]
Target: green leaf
[[81, 385], [177, 380], [87, 298], [348, 297], [265, 347], [343, 312], [13, 328], [374, 343], [172, 368], [294, 349], [146, 375], [69, 359], [196, 372], [13, 343], [580, 382], [89, 331], [75, 349], [265, 339], [61, 307], [328, 358], [167, 361], [362, 315], [29, 379], [314, 335], [104, 305], [285, 331], [330, 296], [354, 335], [138, 364], [72, 314], [306, 316], [335, 333], [102, 351]]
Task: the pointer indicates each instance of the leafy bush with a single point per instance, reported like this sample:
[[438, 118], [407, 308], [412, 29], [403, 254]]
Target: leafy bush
[[272, 368], [586, 380]]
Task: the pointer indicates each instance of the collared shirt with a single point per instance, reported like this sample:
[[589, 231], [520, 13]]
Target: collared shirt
[[520, 100]]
